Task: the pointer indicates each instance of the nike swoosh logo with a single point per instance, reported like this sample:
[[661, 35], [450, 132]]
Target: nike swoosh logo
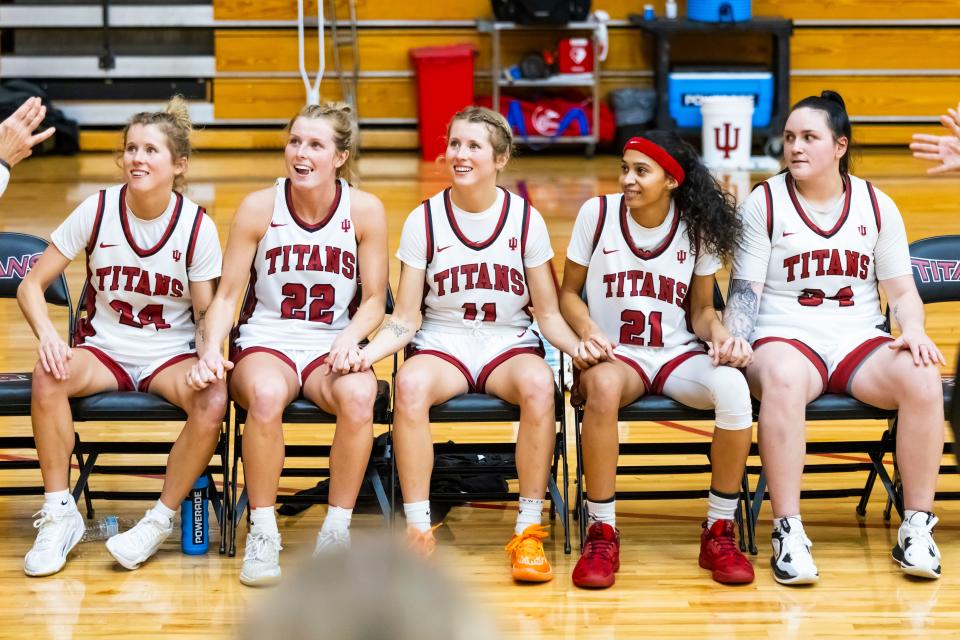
[[274, 224], [439, 249], [63, 504], [789, 233], [609, 251], [106, 246]]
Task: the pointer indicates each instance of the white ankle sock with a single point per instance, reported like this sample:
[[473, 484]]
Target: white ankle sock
[[264, 519], [418, 514], [337, 519], [777, 521], [161, 513], [605, 512], [59, 500], [530, 513], [721, 507]]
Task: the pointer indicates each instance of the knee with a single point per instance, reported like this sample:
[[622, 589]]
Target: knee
[[355, 403], [209, 406], [781, 386], [537, 392], [267, 402], [43, 383], [920, 386], [411, 395], [601, 389], [731, 399]]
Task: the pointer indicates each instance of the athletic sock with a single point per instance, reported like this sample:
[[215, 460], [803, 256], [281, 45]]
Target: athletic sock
[[264, 519], [418, 514], [338, 519], [721, 506], [530, 513], [604, 511]]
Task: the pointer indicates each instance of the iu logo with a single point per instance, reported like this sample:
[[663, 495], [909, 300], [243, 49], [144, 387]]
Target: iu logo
[[345, 225], [512, 243], [681, 256], [177, 255], [862, 229], [727, 145]]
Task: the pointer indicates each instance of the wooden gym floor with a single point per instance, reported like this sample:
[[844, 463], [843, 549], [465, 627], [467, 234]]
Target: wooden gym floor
[[660, 590]]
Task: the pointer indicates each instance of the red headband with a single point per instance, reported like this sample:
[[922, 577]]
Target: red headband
[[660, 155]]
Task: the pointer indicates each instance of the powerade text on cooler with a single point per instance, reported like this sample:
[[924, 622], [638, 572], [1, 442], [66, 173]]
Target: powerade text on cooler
[[194, 533]]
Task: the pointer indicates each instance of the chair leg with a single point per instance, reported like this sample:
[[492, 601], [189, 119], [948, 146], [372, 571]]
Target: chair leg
[[79, 455], [567, 547], [748, 508], [234, 514], [581, 494], [81, 487], [758, 496], [374, 477]]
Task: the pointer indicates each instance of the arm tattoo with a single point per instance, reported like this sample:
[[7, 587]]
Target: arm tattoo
[[397, 328], [201, 333], [741, 312]]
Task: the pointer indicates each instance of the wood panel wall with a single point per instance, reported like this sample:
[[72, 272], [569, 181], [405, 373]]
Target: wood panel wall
[[889, 72]]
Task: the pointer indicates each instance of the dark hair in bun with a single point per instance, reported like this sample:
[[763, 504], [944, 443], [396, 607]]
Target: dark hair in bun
[[831, 103]]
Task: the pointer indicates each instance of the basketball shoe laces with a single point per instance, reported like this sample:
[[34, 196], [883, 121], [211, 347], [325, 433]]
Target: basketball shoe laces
[[261, 548], [146, 532], [48, 526], [528, 545], [727, 549], [600, 549], [923, 532]]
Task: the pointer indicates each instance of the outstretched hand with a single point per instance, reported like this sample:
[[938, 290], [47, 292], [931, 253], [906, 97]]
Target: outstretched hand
[[945, 149]]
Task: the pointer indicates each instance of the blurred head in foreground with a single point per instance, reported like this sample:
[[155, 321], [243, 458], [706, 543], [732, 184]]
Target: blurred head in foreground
[[374, 591]]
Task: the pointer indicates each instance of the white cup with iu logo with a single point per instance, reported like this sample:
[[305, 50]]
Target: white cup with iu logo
[[727, 133]]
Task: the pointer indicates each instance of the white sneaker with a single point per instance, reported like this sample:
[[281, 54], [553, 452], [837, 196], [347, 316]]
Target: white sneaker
[[916, 552], [57, 533], [332, 541], [261, 559], [132, 548], [792, 561]]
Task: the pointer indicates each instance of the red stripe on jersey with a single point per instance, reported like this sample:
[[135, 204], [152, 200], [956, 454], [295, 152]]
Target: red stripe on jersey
[[525, 227], [600, 220], [489, 368], [656, 251], [768, 196], [660, 378], [843, 374], [124, 381], [875, 203], [193, 235], [124, 223], [448, 204], [411, 352], [791, 189], [246, 309], [144, 385], [636, 367], [428, 229], [101, 204], [306, 226]]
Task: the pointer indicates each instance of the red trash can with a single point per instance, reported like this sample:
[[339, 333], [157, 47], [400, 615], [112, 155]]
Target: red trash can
[[444, 86]]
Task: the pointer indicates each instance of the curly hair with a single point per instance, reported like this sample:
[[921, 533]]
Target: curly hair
[[709, 212]]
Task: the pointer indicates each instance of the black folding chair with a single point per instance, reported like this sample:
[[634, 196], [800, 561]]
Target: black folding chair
[[936, 271], [656, 408], [303, 411], [136, 406], [18, 252]]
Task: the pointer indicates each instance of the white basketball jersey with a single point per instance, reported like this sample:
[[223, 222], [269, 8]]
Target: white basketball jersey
[[476, 279], [304, 278], [820, 282], [136, 298], [639, 297]]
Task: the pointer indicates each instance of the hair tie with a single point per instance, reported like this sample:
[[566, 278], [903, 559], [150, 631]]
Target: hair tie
[[660, 155]]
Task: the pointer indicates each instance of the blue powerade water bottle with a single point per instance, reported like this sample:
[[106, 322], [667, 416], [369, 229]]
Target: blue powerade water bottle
[[194, 534]]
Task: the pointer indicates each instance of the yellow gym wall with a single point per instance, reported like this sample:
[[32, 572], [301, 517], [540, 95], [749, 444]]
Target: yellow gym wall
[[894, 62]]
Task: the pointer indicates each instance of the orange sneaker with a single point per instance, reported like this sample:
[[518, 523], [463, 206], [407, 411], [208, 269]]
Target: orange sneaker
[[422, 543], [527, 557]]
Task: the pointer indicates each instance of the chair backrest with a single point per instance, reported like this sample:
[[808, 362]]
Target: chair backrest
[[936, 268], [18, 253]]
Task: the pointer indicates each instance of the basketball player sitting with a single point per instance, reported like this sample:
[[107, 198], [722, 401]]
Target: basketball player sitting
[[475, 256], [153, 259], [307, 243], [647, 258], [817, 243]]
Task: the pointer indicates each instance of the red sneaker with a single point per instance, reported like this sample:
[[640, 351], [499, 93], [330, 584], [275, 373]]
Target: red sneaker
[[600, 559], [720, 554]]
